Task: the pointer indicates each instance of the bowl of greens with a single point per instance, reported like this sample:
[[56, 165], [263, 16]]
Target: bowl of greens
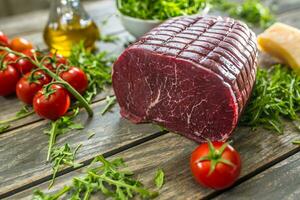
[[138, 17]]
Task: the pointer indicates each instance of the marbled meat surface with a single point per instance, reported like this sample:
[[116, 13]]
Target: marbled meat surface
[[192, 75]]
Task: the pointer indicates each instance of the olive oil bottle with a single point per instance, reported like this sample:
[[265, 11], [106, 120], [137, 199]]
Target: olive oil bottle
[[68, 25]]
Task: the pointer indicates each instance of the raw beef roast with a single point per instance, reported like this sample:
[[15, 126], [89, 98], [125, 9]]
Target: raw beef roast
[[192, 75]]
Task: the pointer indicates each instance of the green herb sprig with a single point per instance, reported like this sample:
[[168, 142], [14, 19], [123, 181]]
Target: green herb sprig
[[61, 126], [108, 179], [160, 9], [63, 156], [96, 66], [110, 102], [251, 11], [25, 111], [276, 95]]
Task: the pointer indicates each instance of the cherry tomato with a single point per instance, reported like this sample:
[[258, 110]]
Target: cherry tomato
[[58, 60], [76, 78], [11, 58], [215, 165], [51, 104], [9, 77], [20, 44], [24, 66], [3, 40], [30, 84]]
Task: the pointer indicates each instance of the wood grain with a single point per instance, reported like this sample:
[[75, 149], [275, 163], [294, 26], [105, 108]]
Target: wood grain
[[171, 152], [278, 182], [22, 164], [23, 151]]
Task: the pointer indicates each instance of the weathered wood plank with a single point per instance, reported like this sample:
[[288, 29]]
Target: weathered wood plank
[[171, 152], [278, 182], [23, 151]]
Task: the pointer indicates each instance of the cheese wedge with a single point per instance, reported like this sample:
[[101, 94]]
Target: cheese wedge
[[282, 41]]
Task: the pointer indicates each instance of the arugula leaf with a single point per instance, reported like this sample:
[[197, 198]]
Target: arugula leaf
[[39, 195], [24, 112], [251, 11], [4, 127], [91, 134], [107, 179], [110, 101], [159, 178], [61, 126], [96, 66], [160, 9], [276, 95], [63, 156]]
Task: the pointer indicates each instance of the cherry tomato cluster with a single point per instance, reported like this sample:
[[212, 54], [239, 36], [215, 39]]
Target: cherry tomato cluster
[[34, 86]]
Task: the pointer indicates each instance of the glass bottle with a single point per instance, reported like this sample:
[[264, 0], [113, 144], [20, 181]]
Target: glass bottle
[[69, 24]]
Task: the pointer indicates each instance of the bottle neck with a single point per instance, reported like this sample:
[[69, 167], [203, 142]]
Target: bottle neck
[[66, 9]]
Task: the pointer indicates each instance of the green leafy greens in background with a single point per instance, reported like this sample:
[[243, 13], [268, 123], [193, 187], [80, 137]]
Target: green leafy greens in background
[[160, 9], [251, 11], [276, 95]]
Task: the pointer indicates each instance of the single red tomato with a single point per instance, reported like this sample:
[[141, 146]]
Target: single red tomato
[[59, 59], [53, 103], [24, 65], [11, 58], [30, 84], [3, 40], [215, 165], [20, 44], [76, 78], [9, 77], [54, 62]]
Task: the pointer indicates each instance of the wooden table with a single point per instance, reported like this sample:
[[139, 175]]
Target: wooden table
[[271, 163]]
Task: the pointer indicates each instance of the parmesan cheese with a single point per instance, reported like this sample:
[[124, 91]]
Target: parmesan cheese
[[282, 41]]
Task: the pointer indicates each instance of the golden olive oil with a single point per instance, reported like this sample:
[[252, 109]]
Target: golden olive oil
[[62, 35]]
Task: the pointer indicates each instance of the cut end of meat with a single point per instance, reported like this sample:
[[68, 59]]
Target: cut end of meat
[[170, 92], [192, 75]]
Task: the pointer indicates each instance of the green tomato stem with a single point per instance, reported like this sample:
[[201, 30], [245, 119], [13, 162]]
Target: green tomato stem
[[76, 94]]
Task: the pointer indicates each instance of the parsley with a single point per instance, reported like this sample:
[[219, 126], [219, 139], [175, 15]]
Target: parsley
[[107, 179], [276, 95], [159, 178]]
